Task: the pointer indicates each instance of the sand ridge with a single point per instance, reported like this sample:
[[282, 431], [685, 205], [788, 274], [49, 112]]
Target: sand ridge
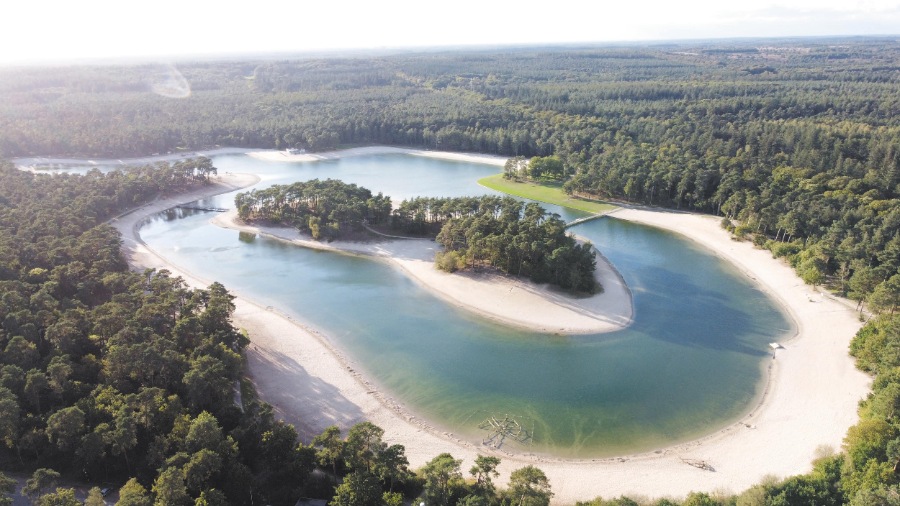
[[810, 400]]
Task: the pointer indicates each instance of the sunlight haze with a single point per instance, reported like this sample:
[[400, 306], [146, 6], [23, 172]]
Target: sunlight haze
[[69, 31]]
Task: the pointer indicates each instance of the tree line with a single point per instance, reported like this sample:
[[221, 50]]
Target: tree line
[[489, 231], [519, 239], [321, 208], [133, 378], [794, 143]]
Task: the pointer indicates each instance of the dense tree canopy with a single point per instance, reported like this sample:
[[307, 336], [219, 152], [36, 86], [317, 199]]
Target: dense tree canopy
[[108, 374], [320, 208], [117, 375], [794, 141], [523, 240]]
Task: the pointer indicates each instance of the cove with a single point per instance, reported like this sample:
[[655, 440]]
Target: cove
[[692, 361]]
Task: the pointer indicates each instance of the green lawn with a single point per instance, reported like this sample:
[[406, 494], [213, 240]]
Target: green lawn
[[549, 193]]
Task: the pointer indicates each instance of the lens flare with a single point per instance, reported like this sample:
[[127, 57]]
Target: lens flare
[[170, 83]]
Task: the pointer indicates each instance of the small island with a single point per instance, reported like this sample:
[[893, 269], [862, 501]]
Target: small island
[[518, 239], [487, 232], [335, 216], [323, 209]]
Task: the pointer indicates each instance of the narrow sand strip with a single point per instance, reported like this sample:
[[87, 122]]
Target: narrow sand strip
[[283, 156], [505, 299], [810, 400], [37, 162]]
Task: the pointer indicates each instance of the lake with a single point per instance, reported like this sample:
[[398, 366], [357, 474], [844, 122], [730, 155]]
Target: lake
[[691, 362]]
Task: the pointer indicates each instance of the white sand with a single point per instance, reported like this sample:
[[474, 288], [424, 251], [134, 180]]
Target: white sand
[[282, 156], [505, 299], [810, 400], [38, 162]]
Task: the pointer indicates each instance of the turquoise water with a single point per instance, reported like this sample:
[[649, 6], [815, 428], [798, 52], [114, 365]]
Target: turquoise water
[[691, 362]]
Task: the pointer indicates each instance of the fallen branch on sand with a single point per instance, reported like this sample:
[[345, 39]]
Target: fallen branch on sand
[[699, 464]]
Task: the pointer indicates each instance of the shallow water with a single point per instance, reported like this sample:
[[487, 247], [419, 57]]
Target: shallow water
[[691, 362]]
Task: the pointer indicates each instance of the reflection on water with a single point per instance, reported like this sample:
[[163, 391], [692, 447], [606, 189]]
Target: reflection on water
[[247, 237], [691, 361]]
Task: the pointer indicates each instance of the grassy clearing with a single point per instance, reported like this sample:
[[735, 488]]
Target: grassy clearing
[[549, 193]]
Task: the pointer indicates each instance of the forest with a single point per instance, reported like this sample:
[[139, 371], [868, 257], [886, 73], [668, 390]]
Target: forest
[[794, 143], [134, 379], [322, 209]]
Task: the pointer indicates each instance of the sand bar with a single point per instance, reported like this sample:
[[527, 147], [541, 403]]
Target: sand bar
[[504, 299], [810, 400], [284, 156]]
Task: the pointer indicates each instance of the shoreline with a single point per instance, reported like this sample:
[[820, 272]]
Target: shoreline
[[494, 296], [282, 156], [814, 379], [34, 163]]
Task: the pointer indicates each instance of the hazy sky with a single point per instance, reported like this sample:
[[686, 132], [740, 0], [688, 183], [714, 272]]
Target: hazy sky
[[61, 30]]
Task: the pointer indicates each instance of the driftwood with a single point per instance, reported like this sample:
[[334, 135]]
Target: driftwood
[[501, 429], [699, 464]]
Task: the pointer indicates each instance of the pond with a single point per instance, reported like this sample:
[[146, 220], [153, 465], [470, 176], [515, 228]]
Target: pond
[[691, 362]]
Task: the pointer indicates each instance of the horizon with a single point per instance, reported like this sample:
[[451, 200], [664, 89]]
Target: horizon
[[97, 31], [351, 52]]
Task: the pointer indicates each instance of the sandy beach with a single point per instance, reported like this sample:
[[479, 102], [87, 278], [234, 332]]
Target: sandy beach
[[38, 162], [283, 156], [810, 400]]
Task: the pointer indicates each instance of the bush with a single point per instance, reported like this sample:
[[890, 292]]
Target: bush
[[449, 261], [783, 249], [727, 225]]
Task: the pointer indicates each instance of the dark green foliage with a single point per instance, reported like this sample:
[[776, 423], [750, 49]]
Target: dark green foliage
[[821, 486], [321, 208], [61, 497], [133, 493], [484, 471], [109, 374], [873, 445], [797, 143], [523, 241], [529, 486], [444, 483], [42, 481], [330, 448], [7, 486], [703, 499], [360, 488], [877, 346], [548, 167], [598, 501]]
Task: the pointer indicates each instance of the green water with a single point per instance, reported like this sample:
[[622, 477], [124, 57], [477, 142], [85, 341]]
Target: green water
[[691, 362]]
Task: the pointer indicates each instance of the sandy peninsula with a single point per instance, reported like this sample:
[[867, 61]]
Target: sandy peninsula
[[506, 299], [810, 398]]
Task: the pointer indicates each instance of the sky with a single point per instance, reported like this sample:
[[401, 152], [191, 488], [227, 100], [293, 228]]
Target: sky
[[57, 31]]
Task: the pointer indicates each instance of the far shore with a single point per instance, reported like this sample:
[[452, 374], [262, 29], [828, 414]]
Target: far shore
[[283, 156], [809, 401], [38, 162], [272, 155]]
